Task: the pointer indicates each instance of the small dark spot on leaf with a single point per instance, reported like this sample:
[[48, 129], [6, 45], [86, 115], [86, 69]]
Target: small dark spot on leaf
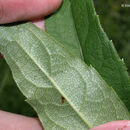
[[62, 100]]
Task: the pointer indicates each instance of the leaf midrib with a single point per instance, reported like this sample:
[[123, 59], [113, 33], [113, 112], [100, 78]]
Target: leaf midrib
[[53, 82], [79, 44]]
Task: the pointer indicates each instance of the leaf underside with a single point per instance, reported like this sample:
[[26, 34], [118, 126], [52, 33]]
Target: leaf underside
[[77, 26], [44, 71]]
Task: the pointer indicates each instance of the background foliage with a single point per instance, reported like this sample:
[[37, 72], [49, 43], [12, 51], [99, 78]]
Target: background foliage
[[116, 23]]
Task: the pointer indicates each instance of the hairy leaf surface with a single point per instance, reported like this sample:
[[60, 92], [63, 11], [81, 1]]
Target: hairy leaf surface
[[44, 71], [77, 25]]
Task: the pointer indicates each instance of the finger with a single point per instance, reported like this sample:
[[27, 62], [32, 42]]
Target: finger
[[19, 10], [10, 121], [115, 125], [39, 23]]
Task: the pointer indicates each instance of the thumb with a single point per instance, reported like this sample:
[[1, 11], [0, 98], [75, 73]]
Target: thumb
[[19, 10]]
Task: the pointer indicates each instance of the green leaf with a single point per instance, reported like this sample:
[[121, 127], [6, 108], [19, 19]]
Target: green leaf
[[9, 92], [44, 71], [77, 26], [61, 26]]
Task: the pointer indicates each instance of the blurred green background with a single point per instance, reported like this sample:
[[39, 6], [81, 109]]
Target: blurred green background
[[116, 22]]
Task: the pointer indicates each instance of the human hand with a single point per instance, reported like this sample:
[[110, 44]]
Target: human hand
[[9, 121], [114, 125], [21, 10]]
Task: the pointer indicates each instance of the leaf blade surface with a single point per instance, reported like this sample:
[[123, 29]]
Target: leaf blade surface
[[44, 71], [95, 47]]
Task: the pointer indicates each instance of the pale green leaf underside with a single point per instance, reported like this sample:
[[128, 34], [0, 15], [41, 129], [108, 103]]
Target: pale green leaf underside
[[44, 70], [77, 26]]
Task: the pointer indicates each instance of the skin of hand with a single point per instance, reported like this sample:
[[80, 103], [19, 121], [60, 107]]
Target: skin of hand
[[23, 10], [9, 121]]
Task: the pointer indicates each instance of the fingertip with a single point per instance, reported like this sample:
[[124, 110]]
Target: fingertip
[[50, 6], [55, 3], [9, 121], [22, 10], [115, 125]]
